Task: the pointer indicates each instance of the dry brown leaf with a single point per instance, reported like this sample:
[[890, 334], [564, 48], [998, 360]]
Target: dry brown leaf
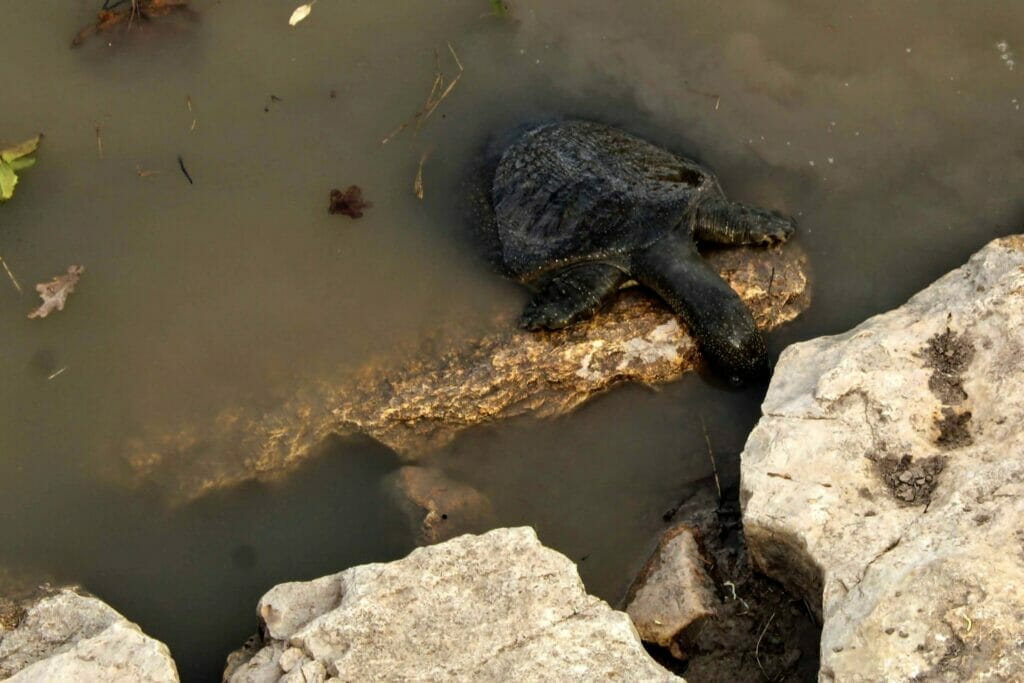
[[55, 292]]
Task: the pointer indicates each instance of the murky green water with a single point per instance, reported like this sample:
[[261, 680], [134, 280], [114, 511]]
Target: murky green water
[[893, 132]]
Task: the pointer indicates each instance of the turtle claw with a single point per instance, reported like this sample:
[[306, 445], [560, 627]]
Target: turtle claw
[[543, 317]]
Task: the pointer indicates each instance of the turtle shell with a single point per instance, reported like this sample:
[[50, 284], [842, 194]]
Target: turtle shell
[[578, 191]]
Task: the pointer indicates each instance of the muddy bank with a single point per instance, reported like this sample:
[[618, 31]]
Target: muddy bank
[[758, 630]]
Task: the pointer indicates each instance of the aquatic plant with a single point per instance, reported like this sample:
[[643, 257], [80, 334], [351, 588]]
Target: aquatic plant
[[13, 159]]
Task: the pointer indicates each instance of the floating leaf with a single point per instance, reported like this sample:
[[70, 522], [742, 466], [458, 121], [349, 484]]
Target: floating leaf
[[12, 160], [348, 203], [20, 164], [300, 13], [55, 292], [21, 149], [8, 179]]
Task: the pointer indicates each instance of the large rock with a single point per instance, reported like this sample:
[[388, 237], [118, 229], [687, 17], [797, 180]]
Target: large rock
[[426, 401], [885, 481], [66, 636], [499, 606]]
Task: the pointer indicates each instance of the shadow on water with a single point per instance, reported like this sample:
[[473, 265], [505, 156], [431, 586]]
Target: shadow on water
[[597, 484], [191, 577]]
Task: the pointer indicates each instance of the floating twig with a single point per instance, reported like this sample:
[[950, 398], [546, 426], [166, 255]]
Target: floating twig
[[417, 184], [704, 93], [455, 56], [437, 94], [711, 457], [188, 103], [57, 372], [14, 280], [181, 163], [447, 91]]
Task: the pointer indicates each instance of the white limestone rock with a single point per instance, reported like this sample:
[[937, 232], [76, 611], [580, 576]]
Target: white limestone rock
[[885, 481], [499, 606], [71, 637]]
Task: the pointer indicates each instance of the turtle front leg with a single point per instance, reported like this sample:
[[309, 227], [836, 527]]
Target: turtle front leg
[[723, 222], [571, 295]]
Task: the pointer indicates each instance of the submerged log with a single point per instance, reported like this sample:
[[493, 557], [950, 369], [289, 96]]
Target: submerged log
[[421, 404]]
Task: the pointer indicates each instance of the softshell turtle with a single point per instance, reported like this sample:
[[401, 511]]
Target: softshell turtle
[[582, 208]]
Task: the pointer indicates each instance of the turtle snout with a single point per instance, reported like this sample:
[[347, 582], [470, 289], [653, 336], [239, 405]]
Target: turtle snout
[[780, 229], [742, 359]]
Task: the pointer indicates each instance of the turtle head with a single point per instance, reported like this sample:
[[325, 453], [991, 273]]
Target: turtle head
[[736, 352]]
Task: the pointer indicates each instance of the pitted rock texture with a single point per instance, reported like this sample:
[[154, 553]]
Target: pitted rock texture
[[67, 636], [902, 530], [499, 606], [425, 402]]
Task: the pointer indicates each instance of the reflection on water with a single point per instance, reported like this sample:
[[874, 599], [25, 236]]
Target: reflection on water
[[891, 131]]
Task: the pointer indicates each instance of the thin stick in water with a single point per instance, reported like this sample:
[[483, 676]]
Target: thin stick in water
[[455, 56], [181, 163], [711, 457], [58, 372], [14, 280], [417, 185]]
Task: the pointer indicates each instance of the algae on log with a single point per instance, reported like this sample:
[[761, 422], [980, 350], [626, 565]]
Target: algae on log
[[425, 402]]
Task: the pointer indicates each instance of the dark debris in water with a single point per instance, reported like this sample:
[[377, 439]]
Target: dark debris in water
[[123, 14], [349, 203]]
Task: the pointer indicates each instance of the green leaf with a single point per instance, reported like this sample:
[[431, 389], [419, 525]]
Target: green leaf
[[8, 179], [23, 162], [21, 149]]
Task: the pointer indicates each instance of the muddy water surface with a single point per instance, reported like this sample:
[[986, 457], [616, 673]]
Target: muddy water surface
[[892, 131]]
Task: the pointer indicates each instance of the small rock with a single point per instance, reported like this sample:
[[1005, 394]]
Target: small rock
[[291, 658], [672, 592]]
